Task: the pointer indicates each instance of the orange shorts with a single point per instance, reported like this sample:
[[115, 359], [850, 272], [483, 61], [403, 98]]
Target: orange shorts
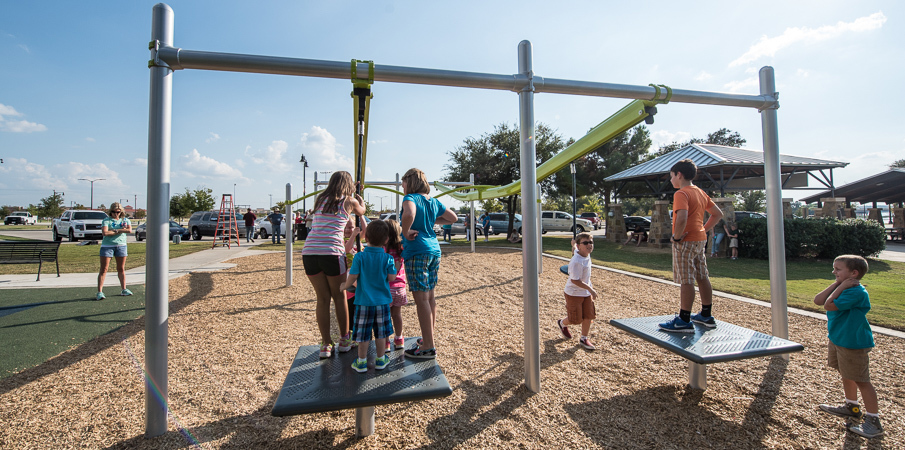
[[579, 308]]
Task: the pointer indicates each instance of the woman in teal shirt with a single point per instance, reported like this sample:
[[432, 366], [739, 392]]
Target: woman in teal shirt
[[115, 230]]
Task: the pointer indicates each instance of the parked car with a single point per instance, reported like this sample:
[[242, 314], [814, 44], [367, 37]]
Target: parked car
[[459, 227], [632, 221], [20, 218], [141, 233], [561, 221], [593, 218], [499, 223], [264, 228], [204, 223], [739, 215]]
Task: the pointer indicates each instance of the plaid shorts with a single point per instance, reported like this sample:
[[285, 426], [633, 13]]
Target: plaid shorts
[[376, 318], [688, 261], [400, 296], [421, 272]]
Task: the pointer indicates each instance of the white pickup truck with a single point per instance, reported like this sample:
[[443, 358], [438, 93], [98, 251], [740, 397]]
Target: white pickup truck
[[78, 224], [20, 218]]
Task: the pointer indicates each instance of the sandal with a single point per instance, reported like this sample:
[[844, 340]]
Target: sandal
[[430, 353]]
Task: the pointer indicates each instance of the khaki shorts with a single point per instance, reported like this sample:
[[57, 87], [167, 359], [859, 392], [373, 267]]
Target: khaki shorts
[[579, 308], [852, 364], [688, 262]]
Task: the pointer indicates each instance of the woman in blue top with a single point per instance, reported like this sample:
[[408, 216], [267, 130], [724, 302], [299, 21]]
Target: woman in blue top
[[115, 229], [421, 253]]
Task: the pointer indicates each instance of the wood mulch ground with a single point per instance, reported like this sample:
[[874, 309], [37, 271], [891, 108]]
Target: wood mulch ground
[[234, 333]]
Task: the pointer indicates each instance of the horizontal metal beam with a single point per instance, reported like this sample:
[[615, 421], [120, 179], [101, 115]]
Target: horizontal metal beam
[[177, 59]]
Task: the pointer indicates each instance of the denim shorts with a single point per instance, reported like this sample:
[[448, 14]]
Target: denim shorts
[[118, 251]]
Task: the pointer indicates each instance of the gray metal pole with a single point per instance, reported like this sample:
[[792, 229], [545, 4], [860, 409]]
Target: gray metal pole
[[776, 240], [473, 218], [193, 59], [530, 252], [288, 230], [398, 187], [540, 235], [157, 250]]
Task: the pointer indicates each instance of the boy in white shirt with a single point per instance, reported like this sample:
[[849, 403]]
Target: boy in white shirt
[[579, 293]]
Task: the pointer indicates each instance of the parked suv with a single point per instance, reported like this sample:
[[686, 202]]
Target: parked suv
[[20, 218], [204, 223], [561, 221], [499, 223], [593, 218], [459, 227]]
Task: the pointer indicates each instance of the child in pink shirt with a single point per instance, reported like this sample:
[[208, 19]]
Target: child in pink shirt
[[397, 286]]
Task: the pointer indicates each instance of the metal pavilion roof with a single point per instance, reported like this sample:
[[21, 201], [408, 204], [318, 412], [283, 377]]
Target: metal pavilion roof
[[887, 187], [722, 168]]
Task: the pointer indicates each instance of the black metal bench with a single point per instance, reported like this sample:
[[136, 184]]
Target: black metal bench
[[30, 252], [726, 342], [318, 385]]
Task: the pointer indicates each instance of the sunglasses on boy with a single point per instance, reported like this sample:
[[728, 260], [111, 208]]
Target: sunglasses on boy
[[587, 242]]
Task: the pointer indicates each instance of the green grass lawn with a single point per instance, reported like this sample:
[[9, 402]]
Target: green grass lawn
[[85, 258]]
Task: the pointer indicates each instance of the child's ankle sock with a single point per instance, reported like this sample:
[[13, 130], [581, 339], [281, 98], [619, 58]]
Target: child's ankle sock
[[705, 310], [851, 402], [685, 315], [877, 415]]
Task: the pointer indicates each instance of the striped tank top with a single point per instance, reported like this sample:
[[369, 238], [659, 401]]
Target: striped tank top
[[326, 235]]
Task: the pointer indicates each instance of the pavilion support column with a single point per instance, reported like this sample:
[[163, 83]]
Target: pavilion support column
[[660, 225], [615, 224]]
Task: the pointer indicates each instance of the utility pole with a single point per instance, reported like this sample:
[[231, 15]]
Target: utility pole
[[304, 183], [92, 187]]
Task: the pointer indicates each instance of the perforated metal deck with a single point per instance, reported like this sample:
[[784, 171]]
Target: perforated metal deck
[[726, 342], [317, 385]]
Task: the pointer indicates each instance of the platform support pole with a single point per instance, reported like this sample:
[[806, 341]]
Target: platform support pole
[[697, 375], [364, 421]]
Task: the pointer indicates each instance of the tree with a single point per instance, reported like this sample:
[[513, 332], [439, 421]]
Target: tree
[[491, 205], [900, 164], [140, 214], [182, 205], [5, 210], [494, 158], [750, 201], [51, 206], [723, 136]]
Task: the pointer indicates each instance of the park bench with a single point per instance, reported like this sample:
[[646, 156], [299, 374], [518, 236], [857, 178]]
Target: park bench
[[725, 342], [30, 252], [318, 385], [895, 233]]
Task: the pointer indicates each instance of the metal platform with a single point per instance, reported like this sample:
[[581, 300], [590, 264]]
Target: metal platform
[[318, 385], [726, 342]]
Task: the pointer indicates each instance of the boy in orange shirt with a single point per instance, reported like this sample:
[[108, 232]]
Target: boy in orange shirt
[[689, 241]]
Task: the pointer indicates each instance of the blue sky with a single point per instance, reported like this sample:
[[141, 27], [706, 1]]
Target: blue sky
[[74, 85]]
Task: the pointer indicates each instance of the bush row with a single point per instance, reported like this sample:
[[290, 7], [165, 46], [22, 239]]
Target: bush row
[[824, 238]]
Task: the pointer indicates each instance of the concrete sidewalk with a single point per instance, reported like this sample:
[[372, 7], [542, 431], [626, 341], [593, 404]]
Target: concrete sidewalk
[[204, 260]]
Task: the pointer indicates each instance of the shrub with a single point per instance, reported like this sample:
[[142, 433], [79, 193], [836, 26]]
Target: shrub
[[824, 238]]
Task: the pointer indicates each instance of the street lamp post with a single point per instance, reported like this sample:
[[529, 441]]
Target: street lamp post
[[574, 228], [92, 187], [381, 197], [304, 183]]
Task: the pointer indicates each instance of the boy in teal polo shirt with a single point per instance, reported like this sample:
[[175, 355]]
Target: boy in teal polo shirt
[[850, 340], [373, 269]]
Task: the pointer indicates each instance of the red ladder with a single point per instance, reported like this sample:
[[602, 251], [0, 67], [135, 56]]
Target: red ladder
[[227, 227]]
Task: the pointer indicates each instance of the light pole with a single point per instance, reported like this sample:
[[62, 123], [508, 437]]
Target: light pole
[[92, 187], [304, 183], [574, 228], [271, 200], [381, 197]]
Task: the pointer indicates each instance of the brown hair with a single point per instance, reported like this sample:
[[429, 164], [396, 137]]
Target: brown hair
[[416, 182], [114, 206], [339, 187], [686, 167], [582, 236], [394, 240], [854, 262], [376, 233]]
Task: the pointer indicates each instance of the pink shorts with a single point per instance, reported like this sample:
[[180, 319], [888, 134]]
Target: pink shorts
[[400, 296]]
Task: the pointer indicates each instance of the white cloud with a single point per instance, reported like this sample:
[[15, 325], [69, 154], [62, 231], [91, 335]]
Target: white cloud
[[752, 83], [703, 76], [90, 139], [6, 110], [802, 73], [214, 137], [768, 46], [25, 47], [17, 126], [137, 162], [274, 156], [660, 138], [320, 148], [24, 175], [194, 164]]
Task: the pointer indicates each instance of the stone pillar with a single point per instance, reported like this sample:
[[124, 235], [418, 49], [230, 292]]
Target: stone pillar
[[615, 224], [728, 208], [832, 207], [787, 208], [875, 215], [848, 213], [898, 217], [660, 225]]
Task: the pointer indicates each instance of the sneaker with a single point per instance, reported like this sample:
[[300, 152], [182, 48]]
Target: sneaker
[[345, 344], [708, 322], [389, 346], [382, 362], [125, 292], [564, 330], [870, 428], [677, 325], [100, 296], [326, 350], [847, 410], [399, 342], [586, 343], [360, 365], [422, 354]]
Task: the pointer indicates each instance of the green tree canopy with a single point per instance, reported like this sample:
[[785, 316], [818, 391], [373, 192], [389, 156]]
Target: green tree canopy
[[900, 164], [51, 206], [750, 201], [183, 205], [723, 136]]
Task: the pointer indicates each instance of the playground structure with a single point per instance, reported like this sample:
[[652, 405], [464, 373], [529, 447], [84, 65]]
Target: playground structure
[[166, 59]]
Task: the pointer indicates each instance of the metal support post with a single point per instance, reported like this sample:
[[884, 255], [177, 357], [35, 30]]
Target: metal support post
[[157, 251], [364, 421], [540, 236], [530, 230], [398, 202], [473, 218], [287, 229], [775, 232], [697, 375]]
